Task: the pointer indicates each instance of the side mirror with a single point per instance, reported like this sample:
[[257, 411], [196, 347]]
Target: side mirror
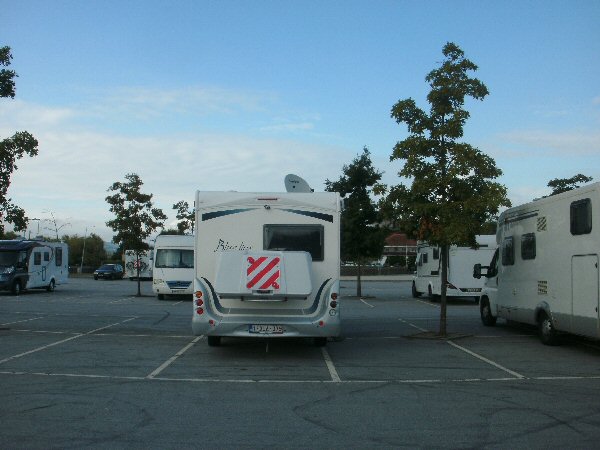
[[477, 271]]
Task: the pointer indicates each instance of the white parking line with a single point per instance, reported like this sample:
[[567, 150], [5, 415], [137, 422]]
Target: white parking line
[[170, 361], [268, 381], [367, 303], [488, 361], [413, 325], [435, 305], [44, 347], [332, 372], [20, 321]]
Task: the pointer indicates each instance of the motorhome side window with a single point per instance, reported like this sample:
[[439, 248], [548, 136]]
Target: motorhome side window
[[528, 246], [425, 257], [37, 258], [306, 238], [581, 217], [508, 251], [436, 253], [46, 256], [58, 258]]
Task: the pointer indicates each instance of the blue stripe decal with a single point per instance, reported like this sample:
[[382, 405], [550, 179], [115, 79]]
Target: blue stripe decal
[[316, 215], [216, 214]]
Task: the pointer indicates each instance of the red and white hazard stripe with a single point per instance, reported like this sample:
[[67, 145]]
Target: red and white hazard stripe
[[263, 273]]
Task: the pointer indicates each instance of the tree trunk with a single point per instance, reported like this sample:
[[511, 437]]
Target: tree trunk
[[358, 283], [444, 251], [139, 294]]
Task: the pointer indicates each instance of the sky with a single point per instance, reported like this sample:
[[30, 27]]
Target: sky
[[234, 95]]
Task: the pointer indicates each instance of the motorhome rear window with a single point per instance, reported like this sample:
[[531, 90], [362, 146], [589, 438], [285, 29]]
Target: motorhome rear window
[[581, 217], [508, 251], [174, 258], [58, 258], [528, 246], [305, 238]]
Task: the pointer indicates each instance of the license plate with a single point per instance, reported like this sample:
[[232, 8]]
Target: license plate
[[266, 329]]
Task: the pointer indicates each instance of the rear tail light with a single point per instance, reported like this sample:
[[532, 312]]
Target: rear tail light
[[199, 311]]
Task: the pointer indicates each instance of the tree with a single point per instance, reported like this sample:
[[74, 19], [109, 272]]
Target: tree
[[186, 216], [560, 185], [95, 254], [135, 216], [451, 194], [362, 238], [12, 149]]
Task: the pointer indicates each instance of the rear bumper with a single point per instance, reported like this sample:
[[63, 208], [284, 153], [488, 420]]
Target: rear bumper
[[329, 326]]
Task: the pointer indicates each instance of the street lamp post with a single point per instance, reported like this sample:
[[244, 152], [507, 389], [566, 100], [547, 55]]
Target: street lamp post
[[83, 251], [38, 228]]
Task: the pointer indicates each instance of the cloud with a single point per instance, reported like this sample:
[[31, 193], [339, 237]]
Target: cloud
[[73, 170], [582, 143], [148, 104]]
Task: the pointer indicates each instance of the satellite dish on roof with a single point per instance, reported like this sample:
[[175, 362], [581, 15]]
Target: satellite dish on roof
[[294, 183]]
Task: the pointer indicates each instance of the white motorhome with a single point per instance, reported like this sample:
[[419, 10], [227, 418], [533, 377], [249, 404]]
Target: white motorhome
[[545, 271], [428, 278], [145, 263], [173, 270], [267, 265], [29, 264]]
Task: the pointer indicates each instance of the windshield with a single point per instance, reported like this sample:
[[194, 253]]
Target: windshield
[[106, 267], [8, 259], [171, 258]]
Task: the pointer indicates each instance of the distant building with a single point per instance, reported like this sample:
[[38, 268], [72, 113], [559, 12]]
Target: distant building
[[398, 244]]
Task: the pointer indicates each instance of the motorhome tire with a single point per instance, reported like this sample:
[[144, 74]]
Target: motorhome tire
[[320, 341], [415, 293], [213, 341], [486, 313], [161, 296], [51, 286], [548, 334], [16, 288]]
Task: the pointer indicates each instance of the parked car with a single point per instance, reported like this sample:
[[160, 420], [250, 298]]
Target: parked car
[[109, 272]]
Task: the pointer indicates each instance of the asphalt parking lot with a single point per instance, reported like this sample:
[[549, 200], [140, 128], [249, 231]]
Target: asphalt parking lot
[[93, 365]]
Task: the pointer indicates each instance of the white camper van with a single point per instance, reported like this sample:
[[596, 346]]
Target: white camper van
[[267, 265], [29, 264], [428, 278], [545, 271], [173, 270], [145, 263]]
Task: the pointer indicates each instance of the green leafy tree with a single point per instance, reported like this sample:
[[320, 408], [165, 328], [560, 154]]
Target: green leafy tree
[[362, 238], [12, 149], [185, 215], [136, 218], [94, 255], [560, 185], [452, 193]]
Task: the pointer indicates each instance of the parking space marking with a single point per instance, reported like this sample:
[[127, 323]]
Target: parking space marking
[[172, 359], [329, 363], [268, 381], [488, 361], [413, 325], [44, 347], [366, 303], [434, 305], [21, 321]]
